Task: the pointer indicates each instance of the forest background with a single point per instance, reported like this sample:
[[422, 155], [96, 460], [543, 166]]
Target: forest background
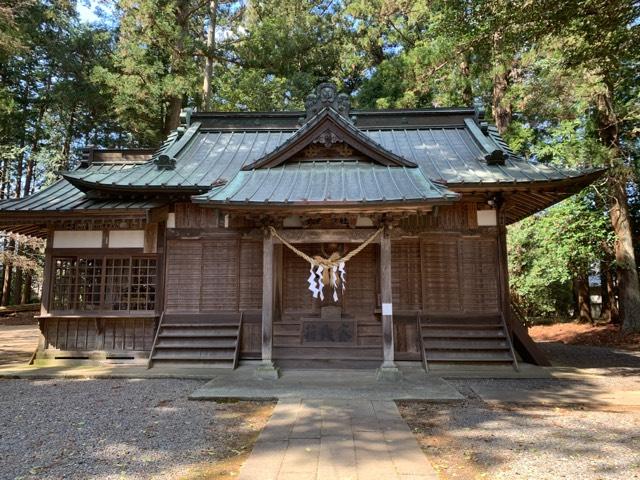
[[559, 80]]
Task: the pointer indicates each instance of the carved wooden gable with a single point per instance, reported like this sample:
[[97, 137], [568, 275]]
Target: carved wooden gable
[[329, 133]]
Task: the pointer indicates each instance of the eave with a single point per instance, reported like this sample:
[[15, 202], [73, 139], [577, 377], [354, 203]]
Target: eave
[[526, 198]]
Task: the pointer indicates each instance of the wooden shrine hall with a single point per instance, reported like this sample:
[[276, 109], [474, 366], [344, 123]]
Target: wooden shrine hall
[[332, 236]]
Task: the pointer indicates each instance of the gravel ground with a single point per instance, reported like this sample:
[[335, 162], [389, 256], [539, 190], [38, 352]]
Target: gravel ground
[[121, 429], [473, 440]]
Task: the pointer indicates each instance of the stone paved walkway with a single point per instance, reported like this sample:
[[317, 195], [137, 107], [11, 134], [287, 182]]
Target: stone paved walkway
[[337, 439]]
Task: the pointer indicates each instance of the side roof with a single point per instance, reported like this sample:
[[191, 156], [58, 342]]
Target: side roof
[[62, 198]]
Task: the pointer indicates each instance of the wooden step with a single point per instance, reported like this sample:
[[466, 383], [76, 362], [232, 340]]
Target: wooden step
[[202, 325], [468, 356], [188, 333], [462, 344], [189, 354], [446, 333], [462, 326], [205, 340], [195, 363], [181, 342]]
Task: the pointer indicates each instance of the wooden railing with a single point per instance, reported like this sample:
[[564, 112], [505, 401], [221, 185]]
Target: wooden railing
[[236, 355], [423, 354], [155, 340], [519, 315], [508, 334], [26, 307]]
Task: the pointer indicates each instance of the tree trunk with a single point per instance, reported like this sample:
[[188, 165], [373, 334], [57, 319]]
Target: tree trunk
[[18, 277], [209, 59], [467, 92], [605, 309], [5, 178], [66, 147], [500, 107], [626, 267], [174, 100], [584, 300], [626, 271], [35, 144], [172, 117], [6, 281], [26, 289], [612, 293]]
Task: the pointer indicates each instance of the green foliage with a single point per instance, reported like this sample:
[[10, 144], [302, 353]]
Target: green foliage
[[547, 251]]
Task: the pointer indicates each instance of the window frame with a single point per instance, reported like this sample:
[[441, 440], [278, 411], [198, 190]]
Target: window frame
[[73, 289]]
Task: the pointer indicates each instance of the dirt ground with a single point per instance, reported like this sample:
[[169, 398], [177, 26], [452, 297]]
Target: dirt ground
[[17, 343], [572, 333]]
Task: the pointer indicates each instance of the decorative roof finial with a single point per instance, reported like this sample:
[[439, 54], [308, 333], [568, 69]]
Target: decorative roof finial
[[327, 96]]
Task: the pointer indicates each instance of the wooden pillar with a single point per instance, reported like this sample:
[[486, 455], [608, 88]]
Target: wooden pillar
[[503, 266], [267, 298], [47, 276], [267, 369], [388, 370]]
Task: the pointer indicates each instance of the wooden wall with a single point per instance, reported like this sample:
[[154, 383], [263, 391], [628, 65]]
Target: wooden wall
[[442, 265], [213, 275]]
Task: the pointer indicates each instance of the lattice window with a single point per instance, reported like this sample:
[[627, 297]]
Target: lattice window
[[117, 273], [64, 274], [143, 284], [104, 283], [88, 283]]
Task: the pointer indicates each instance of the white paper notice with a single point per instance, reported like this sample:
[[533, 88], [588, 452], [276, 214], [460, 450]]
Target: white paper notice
[[387, 309]]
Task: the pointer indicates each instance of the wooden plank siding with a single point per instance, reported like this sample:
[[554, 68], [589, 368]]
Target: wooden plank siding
[[446, 274], [213, 275], [78, 337]]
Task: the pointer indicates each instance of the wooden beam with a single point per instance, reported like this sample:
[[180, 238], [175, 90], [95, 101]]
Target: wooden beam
[[151, 238], [346, 235], [386, 300]]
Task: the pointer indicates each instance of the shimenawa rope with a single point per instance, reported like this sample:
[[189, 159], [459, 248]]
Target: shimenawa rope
[[325, 270]]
